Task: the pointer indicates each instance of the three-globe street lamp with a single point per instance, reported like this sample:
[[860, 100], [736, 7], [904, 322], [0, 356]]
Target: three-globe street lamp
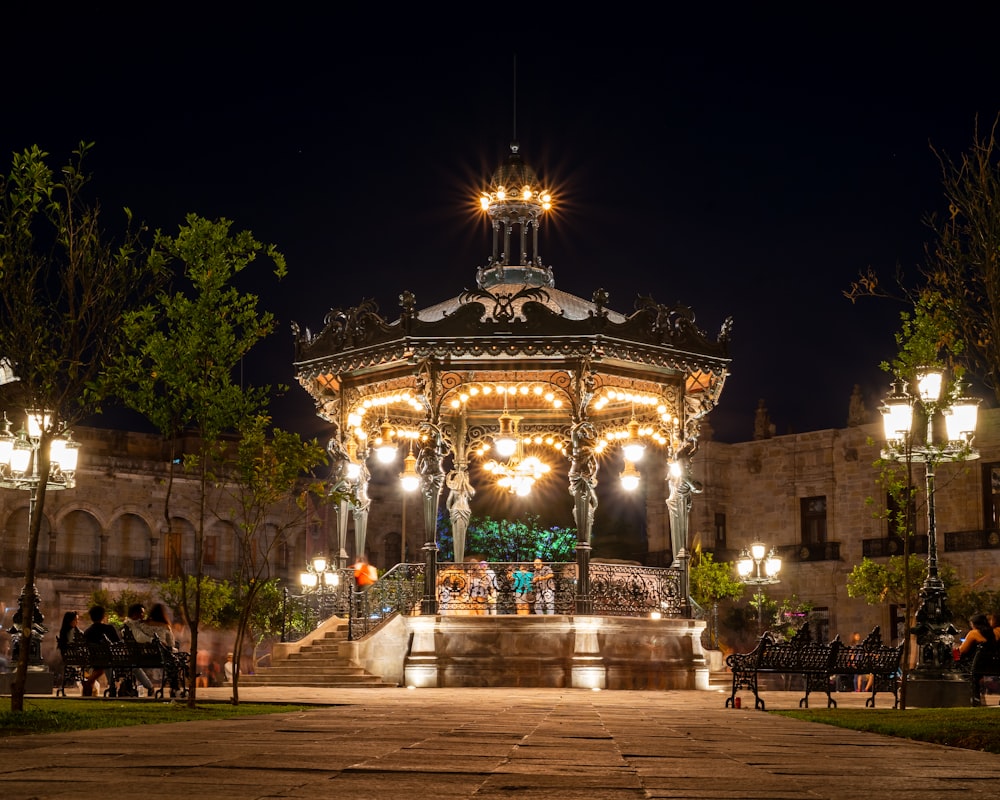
[[19, 469], [757, 567], [321, 579], [950, 426]]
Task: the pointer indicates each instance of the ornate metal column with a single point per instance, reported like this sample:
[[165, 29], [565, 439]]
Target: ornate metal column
[[583, 487], [681, 487], [429, 466], [343, 474], [361, 506], [460, 491]]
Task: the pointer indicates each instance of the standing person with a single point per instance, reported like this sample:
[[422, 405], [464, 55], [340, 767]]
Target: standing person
[[478, 589], [135, 627], [490, 578], [99, 632], [227, 668], [522, 588], [544, 583]]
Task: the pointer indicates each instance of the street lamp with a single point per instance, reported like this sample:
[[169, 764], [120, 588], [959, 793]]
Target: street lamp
[[19, 469], [757, 569], [319, 579], [950, 441]]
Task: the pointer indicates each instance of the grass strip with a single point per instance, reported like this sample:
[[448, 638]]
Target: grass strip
[[968, 728], [68, 714]]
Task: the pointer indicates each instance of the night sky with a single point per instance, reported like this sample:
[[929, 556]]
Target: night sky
[[744, 166]]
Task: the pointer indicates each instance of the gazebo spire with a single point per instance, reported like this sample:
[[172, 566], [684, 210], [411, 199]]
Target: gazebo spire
[[515, 202]]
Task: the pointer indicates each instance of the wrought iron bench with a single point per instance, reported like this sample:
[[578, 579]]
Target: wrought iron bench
[[817, 663], [120, 660], [870, 657]]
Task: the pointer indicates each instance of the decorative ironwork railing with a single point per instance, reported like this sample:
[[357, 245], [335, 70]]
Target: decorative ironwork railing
[[467, 590], [821, 551], [398, 591], [892, 546], [971, 540]]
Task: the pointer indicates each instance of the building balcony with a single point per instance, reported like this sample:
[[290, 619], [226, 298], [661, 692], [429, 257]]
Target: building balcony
[[893, 546], [972, 540], [821, 551]]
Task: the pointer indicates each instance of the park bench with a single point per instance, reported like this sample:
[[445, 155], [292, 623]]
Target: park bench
[[120, 660], [817, 663]]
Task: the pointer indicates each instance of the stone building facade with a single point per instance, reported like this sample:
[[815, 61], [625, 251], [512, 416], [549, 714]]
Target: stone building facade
[[814, 497], [109, 532]]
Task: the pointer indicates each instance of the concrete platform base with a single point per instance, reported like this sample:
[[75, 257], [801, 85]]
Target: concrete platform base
[[36, 682], [554, 652], [937, 693]]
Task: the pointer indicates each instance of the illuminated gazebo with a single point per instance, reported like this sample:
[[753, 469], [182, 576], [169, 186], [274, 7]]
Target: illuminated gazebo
[[515, 374]]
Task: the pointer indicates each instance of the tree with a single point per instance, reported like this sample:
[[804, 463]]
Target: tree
[[180, 373], [216, 599], [271, 470], [711, 582], [510, 539], [881, 583], [955, 293], [67, 287]]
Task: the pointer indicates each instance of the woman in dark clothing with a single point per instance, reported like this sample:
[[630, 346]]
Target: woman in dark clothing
[[70, 630], [981, 633]]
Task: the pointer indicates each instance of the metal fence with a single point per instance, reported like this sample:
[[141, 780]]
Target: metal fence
[[468, 590]]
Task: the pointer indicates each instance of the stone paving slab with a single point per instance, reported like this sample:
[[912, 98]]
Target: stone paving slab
[[399, 744]]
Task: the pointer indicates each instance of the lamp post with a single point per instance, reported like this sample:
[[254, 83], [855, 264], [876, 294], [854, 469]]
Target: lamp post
[[20, 469], [756, 567], [950, 426], [319, 579]]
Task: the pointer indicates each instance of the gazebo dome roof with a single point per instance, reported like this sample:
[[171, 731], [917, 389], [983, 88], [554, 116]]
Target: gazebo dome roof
[[566, 305]]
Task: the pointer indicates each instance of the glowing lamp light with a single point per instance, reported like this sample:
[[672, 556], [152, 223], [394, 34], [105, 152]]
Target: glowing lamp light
[[772, 566], [630, 477], [308, 579], [961, 419], [744, 565], [506, 441], [20, 458], [38, 421], [929, 382], [6, 441], [897, 414], [409, 478], [633, 447], [385, 448]]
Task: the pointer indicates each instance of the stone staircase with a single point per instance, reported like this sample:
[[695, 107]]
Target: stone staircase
[[317, 661]]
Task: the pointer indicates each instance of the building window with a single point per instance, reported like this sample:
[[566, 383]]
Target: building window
[[210, 550], [813, 520], [720, 531]]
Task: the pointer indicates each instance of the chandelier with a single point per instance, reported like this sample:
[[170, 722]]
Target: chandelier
[[518, 473]]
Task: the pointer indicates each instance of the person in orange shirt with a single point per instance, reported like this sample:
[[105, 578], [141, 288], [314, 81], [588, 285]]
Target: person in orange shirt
[[364, 573]]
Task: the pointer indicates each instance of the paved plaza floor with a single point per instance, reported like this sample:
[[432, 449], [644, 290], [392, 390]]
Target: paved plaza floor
[[445, 744]]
